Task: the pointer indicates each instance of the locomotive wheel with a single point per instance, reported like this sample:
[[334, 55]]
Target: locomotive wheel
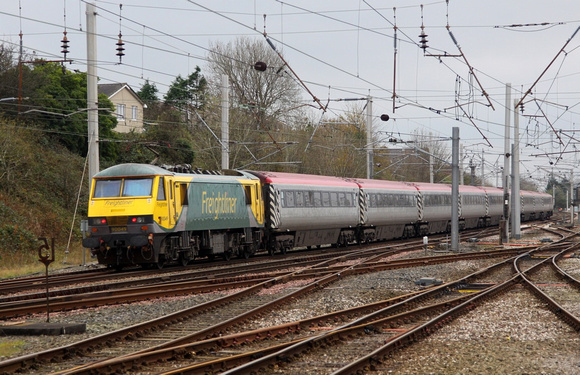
[[161, 262], [183, 260], [244, 254], [270, 251], [284, 250], [227, 255]]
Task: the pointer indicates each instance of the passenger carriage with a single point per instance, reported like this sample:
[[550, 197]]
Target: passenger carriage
[[309, 210], [391, 209], [473, 206]]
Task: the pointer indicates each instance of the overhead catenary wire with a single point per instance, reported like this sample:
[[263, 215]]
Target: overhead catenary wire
[[419, 101]]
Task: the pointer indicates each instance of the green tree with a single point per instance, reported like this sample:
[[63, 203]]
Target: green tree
[[189, 91], [54, 99], [148, 92]]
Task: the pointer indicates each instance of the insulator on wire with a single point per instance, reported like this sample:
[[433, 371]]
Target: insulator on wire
[[260, 66], [120, 48], [64, 45], [423, 37], [423, 41]]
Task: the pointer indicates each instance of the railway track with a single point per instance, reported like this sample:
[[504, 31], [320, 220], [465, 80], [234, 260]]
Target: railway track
[[254, 308], [131, 291], [199, 268], [128, 335], [142, 285]]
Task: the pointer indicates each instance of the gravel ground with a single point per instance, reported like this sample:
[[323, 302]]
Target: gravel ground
[[513, 334]]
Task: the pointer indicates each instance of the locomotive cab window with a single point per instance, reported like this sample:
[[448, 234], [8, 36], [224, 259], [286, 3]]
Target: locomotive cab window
[[183, 194], [161, 189], [107, 188], [138, 187], [248, 193]]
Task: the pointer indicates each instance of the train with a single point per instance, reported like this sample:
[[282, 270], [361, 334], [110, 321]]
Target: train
[[141, 214]]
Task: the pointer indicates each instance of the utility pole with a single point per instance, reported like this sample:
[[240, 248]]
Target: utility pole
[[455, 190], [516, 200], [225, 122], [472, 171], [431, 175], [572, 198], [92, 92], [504, 223], [482, 168], [369, 137], [461, 166]]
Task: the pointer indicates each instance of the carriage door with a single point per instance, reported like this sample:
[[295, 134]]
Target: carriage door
[[171, 202], [257, 203], [163, 207]]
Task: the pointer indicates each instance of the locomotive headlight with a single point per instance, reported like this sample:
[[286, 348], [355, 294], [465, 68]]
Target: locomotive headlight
[[143, 219], [97, 221]]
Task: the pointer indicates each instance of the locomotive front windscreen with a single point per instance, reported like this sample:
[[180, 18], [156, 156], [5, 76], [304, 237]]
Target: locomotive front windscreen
[[113, 188]]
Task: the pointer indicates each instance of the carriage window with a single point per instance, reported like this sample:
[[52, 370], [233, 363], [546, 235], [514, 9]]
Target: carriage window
[[289, 198], [326, 199], [341, 200], [138, 187], [107, 188], [333, 199], [349, 199], [308, 199], [401, 200], [317, 199], [299, 199], [161, 189]]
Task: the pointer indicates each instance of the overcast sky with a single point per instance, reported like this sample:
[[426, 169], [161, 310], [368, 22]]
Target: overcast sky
[[345, 49]]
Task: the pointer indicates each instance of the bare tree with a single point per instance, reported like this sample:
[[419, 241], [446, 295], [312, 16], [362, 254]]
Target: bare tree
[[265, 106], [269, 95]]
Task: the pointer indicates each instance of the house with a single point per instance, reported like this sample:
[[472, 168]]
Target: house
[[129, 107]]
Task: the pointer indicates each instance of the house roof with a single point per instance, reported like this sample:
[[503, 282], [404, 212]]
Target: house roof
[[111, 89]]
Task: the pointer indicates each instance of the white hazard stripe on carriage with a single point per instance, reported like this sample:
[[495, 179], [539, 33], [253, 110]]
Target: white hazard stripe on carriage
[[419, 205], [459, 205], [274, 198], [486, 204], [362, 206]]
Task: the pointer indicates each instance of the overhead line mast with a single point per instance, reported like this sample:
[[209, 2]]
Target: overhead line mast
[[92, 91]]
